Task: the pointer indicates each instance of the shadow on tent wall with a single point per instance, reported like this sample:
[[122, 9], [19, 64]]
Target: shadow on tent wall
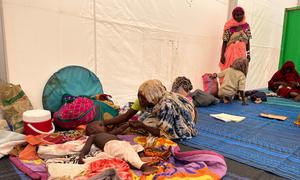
[[3, 64]]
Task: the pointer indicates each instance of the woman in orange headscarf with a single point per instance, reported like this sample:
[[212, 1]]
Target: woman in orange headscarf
[[236, 38]]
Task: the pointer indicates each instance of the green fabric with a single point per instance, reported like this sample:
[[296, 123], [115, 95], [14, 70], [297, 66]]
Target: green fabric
[[291, 38], [102, 108], [137, 106]]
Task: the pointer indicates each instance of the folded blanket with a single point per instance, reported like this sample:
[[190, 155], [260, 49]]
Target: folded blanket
[[8, 140], [35, 169]]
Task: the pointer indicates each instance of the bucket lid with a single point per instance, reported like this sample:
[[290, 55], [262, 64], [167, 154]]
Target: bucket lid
[[36, 115]]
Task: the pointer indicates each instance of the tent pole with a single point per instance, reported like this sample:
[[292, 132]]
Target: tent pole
[[3, 59]]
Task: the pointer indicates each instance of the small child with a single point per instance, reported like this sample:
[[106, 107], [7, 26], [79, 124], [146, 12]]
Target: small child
[[112, 145], [234, 81], [183, 86]]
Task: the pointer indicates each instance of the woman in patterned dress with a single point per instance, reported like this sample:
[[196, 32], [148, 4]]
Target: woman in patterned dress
[[236, 38]]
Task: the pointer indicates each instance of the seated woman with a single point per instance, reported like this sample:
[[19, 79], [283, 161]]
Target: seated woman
[[286, 82], [234, 81], [173, 116]]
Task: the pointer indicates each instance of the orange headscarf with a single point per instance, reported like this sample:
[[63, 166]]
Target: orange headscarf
[[232, 22]]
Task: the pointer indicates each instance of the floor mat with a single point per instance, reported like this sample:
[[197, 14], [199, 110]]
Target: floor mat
[[263, 143], [240, 171], [280, 101]]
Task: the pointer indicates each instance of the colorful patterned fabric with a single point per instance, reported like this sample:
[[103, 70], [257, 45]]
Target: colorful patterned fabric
[[98, 166], [196, 164], [70, 115], [36, 169], [175, 116], [55, 138]]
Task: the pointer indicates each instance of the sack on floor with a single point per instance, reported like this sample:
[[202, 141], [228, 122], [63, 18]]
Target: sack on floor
[[80, 111], [13, 102], [201, 98], [210, 85]]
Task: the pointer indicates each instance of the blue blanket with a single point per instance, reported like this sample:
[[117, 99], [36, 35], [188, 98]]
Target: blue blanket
[[263, 143]]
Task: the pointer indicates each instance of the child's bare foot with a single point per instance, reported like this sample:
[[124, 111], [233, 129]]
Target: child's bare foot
[[148, 169]]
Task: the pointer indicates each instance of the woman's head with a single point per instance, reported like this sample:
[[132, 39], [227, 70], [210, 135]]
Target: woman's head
[[150, 93], [238, 14], [288, 67], [241, 64], [182, 82]]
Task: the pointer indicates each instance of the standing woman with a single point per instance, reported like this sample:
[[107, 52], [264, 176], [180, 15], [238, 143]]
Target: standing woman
[[236, 38]]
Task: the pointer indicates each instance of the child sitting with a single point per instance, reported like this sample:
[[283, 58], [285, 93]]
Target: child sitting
[[183, 86], [112, 145], [234, 81]]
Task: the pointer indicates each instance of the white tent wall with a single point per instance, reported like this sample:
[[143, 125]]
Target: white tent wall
[[134, 40], [156, 39], [126, 42], [266, 21], [43, 36]]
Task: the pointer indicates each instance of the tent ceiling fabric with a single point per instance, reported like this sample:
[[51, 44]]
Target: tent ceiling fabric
[[126, 42]]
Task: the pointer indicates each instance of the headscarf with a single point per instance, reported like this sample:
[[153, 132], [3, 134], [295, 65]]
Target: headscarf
[[232, 22], [238, 10], [183, 82], [152, 90], [241, 64], [291, 65]]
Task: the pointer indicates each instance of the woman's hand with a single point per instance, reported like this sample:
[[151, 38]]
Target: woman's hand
[[136, 125], [278, 83], [293, 84]]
